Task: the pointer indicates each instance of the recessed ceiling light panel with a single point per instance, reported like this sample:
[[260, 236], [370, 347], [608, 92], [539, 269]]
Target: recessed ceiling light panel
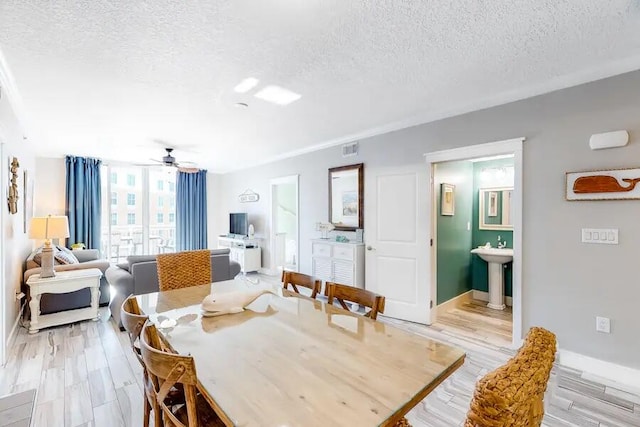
[[277, 95], [246, 85]]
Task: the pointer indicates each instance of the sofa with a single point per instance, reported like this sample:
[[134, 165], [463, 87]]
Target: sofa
[[139, 275], [51, 303]]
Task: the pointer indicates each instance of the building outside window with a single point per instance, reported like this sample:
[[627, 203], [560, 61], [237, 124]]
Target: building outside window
[[160, 185], [136, 212], [114, 178], [172, 218], [172, 186]]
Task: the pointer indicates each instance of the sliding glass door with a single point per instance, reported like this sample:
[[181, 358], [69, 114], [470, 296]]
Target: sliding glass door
[[138, 211]]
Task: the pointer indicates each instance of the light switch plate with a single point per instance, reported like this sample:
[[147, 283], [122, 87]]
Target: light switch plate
[[603, 324], [603, 236]]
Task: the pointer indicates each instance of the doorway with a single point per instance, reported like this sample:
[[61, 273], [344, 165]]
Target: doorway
[[285, 223], [468, 299]]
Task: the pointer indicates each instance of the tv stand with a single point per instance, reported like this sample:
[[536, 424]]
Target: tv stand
[[243, 250]]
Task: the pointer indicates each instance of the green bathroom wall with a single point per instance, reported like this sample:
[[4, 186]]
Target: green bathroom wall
[[479, 273], [453, 235]]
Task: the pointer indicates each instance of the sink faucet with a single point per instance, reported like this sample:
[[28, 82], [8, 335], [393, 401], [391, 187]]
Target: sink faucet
[[501, 243]]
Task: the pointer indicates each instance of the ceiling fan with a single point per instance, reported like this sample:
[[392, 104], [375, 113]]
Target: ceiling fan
[[170, 161]]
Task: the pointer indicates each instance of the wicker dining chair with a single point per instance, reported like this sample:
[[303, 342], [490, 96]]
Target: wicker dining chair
[[513, 394], [133, 319], [168, 371], [298, 279], [184, 269], [368, 299]]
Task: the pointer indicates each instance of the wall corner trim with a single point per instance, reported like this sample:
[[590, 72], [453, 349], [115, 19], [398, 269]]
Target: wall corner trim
[[616, 376]]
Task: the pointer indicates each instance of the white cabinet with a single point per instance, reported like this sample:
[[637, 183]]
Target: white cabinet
[[338, 262], [245, 252]]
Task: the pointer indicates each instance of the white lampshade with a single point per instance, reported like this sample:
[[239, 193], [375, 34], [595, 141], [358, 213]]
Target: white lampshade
[[49, 227]]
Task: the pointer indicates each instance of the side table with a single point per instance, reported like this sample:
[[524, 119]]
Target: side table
[[61, 283]]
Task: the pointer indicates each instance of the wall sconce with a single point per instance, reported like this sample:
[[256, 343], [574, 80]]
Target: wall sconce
[[600, 141]]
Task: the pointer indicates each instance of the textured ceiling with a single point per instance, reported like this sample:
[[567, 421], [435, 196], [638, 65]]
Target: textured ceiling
[[107, 78]]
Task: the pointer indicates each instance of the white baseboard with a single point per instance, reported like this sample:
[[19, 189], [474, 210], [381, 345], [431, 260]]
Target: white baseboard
[[622, 377], [484, 296], [14, 331], [453, 302]]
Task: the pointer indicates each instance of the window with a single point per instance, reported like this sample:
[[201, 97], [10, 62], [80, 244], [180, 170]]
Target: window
[[172, 218], [172, 202], [137, 209], [172, 186], [114, 178]]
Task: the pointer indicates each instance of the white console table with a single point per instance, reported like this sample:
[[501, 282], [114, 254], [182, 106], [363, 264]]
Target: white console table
[[244, 251], [62, 283]]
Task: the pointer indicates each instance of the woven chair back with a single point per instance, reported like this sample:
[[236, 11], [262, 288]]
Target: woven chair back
[[184, 269], [513, 394], [368, 299], [293, 279]]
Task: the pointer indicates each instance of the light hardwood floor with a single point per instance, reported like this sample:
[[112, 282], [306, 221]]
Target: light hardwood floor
[[475, 320], [86, 375]]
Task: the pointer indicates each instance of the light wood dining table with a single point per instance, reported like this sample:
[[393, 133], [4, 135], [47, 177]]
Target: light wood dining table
[[292, 361]]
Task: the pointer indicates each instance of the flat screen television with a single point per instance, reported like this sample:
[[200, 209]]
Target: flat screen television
[[239, 224]]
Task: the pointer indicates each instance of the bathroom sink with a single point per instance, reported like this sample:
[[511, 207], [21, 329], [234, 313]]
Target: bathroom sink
[[500, 256], [495, 258]]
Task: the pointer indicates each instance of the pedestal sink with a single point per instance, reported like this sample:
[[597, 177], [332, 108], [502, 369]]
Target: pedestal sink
[[495, 258]]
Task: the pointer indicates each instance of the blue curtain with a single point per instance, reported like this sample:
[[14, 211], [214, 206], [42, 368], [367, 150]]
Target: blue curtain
[[191, 211], [83, 201]]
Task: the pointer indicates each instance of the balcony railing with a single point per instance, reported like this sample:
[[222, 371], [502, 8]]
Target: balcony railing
[[128, 240]]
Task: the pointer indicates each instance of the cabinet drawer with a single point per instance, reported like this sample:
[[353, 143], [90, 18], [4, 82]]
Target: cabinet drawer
[[322, 269], [342, 252], [321, 249]]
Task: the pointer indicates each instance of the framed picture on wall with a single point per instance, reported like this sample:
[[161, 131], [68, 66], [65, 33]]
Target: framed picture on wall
[[447, 199]]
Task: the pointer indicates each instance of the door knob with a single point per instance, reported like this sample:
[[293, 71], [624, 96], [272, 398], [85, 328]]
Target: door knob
[[371, 248]]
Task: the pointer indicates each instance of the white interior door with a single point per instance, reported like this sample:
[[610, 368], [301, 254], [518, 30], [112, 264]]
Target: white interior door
[[397, 240]]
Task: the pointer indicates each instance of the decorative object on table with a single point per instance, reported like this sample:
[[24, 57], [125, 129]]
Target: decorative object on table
[[359, 235], [252, 231], [77, 246], [248, 196], [342, 239], [47, 228], [230, 302], [612, 184], [13, 197], [618, 138], [27, 198], [346, 197], [324, 228], [447, 199]]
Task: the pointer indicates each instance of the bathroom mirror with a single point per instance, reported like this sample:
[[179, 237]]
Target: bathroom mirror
[[495, 208], [346, 188]]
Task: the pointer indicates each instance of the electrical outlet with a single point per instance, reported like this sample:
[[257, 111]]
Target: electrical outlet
[[603, 324]]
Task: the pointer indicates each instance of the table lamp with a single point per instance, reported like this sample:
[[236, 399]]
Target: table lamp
[[47, 228]]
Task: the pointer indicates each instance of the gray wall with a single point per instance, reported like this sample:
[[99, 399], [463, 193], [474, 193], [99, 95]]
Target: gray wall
[[566, 284], [16, 244]]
